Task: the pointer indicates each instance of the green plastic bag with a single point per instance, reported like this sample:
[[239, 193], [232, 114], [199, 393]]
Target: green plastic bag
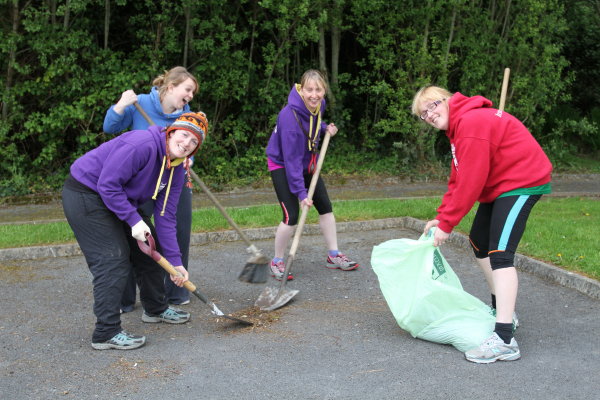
[[426, 297]]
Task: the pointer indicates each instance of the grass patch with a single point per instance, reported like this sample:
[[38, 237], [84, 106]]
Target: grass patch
[[560, 230]]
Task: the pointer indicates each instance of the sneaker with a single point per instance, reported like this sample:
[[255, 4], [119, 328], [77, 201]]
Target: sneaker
[[277, 270], [515, 319], [171, 315], [121, 341], [342, 262], [494, 349]]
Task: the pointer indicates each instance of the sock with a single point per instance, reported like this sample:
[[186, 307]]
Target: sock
[[493, 301], [333, 253], [277, 259], [504, 331]]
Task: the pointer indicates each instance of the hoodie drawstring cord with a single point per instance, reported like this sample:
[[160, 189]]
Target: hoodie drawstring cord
[[158, 182], [167, 194], [312, 139], [162, 169]]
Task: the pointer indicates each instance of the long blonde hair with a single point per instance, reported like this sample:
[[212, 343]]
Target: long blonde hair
[[174, 76]]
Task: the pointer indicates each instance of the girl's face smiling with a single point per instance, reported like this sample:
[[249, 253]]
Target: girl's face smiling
[[182, 143], [437, 114], [178, 96], [312, 94]]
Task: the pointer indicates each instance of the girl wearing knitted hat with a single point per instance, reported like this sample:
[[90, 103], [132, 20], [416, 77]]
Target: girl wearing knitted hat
[[101, 197], [169, 99], [292, 155]]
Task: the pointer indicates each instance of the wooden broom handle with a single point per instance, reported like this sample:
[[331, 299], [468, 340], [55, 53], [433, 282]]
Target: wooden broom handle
[[311, 191], [504, 89]]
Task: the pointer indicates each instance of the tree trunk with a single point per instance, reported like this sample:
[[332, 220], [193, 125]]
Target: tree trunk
[[67, 14], [158, 38], [336, 37], [323, 62], [322, 51], [12, 56], [106, 22], [187, 11], [425, 38], [505, 24], [52, 7], [450, 37]]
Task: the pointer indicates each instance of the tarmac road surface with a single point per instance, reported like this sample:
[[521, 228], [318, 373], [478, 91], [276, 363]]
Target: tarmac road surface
[[336, 339]]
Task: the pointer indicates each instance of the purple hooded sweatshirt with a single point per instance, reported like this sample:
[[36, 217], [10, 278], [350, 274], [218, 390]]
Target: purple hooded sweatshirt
[[125, 172], [289, 143]]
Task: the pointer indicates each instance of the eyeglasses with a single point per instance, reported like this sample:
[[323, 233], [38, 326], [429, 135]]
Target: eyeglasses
[[430, 108]]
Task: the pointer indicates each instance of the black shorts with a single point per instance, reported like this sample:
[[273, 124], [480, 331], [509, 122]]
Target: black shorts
[[498, 227], [289, 202]]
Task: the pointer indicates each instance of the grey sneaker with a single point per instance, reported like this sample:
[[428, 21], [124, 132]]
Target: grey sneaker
[[494, 349], [515, 321], [277, 270], [121, 341], [171, 315], [342, 262]]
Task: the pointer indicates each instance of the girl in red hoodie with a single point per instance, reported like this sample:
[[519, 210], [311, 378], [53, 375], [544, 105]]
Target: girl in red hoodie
[[498, 163]]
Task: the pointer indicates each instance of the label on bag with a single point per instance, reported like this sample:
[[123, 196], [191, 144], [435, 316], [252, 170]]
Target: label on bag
[[438, 265]]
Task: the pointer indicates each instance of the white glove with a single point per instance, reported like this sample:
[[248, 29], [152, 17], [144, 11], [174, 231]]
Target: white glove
[[139, 230]]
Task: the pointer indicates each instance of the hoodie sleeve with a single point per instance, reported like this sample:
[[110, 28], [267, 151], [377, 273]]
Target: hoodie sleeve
[[473, 155], [166, 225], [115, 123], [448, 195]]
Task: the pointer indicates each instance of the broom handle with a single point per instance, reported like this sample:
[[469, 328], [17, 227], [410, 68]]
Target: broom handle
[[202, 186], [311, 191], [212, 198], [504, 89]]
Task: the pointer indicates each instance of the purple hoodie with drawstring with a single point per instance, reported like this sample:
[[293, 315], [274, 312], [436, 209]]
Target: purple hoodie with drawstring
[[288, 145], [125, 171]]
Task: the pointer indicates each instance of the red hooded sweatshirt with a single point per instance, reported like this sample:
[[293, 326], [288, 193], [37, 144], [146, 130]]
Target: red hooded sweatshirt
[[492, 153]]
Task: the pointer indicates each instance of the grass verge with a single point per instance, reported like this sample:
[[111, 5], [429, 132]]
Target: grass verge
[[560, 230]]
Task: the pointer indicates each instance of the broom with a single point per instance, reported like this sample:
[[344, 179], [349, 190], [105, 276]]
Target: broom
[[255, 270]]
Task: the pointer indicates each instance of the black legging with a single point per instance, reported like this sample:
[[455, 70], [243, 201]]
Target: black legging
[[289, 202], [498, 227]]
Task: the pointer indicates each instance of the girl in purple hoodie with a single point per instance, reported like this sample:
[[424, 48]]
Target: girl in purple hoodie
[[292, 155], [101, 197]]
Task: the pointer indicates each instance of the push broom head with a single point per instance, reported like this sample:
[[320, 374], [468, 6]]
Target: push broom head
[[256, 268]]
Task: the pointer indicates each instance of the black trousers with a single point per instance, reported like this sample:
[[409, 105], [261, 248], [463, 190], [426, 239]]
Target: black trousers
[[108, 248]]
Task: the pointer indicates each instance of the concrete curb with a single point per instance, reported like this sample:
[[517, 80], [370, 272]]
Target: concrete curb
[[538, 268]]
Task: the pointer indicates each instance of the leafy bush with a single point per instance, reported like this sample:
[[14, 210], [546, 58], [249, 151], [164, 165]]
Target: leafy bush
[[64, 63]]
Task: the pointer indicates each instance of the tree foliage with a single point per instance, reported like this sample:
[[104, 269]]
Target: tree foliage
[[64, 62]]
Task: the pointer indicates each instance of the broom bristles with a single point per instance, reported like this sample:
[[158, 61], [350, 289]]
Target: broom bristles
[[255, 272]]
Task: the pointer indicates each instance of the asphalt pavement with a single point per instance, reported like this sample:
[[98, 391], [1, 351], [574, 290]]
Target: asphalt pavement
[[337, 338]]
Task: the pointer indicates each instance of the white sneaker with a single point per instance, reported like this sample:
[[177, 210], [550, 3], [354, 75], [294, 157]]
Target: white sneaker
[[494, 349]]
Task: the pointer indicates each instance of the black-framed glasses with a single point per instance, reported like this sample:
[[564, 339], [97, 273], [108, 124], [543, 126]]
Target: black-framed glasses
[[430, 108]]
